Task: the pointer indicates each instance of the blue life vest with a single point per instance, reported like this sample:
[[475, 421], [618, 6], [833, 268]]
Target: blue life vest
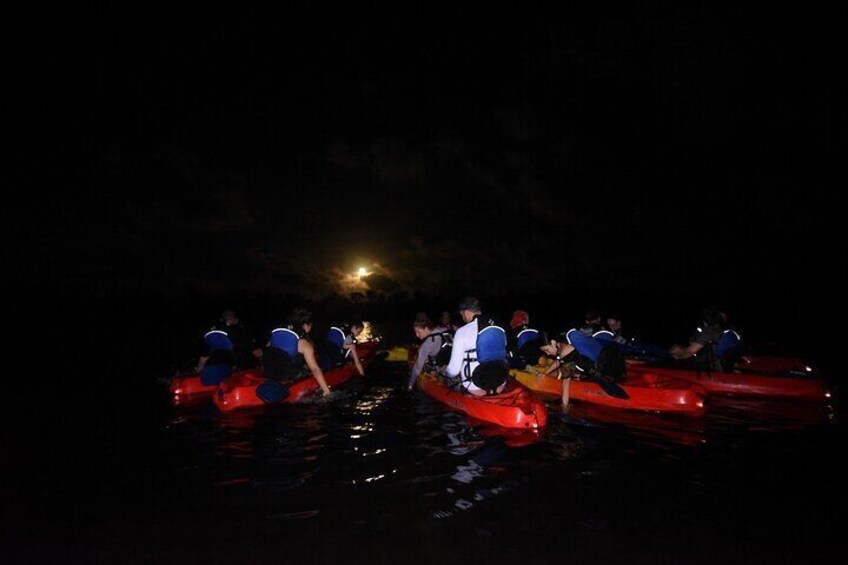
[[729, 341], [217, 340], [491, 344], [215, 374], [336, 336], [285, 339], [525, 337], [492, 356]]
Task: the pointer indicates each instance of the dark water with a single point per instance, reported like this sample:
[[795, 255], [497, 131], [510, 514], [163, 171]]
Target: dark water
[[379, 475]]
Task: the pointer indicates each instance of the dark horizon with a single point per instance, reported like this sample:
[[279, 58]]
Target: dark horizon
[[646, 162]]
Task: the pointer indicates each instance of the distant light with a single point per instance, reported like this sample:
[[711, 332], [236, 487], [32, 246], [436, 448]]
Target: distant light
[[362, 272]]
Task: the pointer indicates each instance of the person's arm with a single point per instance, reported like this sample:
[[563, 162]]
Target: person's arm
[[424, 352], [562, 352], [201, 363], [356, 361], [305, 348], [454, 367], [680, 352]]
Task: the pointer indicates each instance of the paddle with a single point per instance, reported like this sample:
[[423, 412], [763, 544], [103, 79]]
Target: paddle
[[606, 384], [611, 388]]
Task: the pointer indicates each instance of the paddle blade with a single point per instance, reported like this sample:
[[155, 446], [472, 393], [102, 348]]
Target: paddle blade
[[613, 389]]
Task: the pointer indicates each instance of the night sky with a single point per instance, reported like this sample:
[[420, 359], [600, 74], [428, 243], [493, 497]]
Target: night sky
[[447, 150]]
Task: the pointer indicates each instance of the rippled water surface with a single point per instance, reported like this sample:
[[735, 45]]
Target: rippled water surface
[[376, 474]]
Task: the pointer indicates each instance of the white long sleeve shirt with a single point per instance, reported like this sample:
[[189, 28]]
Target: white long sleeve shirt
[[464, 341]]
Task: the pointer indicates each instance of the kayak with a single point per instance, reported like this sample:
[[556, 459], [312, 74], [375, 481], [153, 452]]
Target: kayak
[[654, 393], [189, 385], [512, 437], [187, 388], [398, 354], [516, 407], [192, 387], [742, 384], [248, 389], [789, 366]]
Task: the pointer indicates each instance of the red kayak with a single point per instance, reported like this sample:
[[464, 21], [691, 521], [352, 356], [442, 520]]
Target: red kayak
[[774, 365], [189, 385], [186, 388], [516, 407], [654, 393], [742, 384], [240, 390]]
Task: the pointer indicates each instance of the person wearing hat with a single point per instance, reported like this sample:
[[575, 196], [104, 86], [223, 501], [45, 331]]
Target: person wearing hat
[[463, 365], [524, 342]]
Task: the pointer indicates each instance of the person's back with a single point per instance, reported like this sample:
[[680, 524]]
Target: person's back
[[299, 352], [339, 344], [281, 360], [525, 342], [478, 360], [245, 349]]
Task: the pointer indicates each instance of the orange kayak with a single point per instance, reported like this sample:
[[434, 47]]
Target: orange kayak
[[516, 407]]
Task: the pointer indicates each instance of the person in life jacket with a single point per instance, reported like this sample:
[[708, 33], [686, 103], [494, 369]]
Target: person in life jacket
[[479, 360], [245, 350], [289, 353], [524, 342], [340, 344], [713, 345], [612, 332], [591, 323], [599, 359], [217, 361], [434, 351]]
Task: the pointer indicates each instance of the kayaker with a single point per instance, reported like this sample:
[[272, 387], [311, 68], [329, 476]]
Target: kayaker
[[446, 321], [245, 349], [713, 345], [290, 354], [340, 343], [591, 323], [524, 342], [478, 363], [611, 330], [600, 360], [216, 360], [434, 351]]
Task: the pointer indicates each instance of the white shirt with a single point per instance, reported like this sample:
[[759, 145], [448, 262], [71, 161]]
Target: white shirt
[[464, 341]]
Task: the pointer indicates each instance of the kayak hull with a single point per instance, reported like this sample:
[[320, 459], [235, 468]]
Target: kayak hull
[[516, 407], [646, 392], [743, 384]]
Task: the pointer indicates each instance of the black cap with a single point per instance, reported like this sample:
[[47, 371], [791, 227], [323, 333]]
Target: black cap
[[469, 303]]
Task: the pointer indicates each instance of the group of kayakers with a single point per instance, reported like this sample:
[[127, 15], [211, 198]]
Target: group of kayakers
[[289, 353], [476, 358]]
